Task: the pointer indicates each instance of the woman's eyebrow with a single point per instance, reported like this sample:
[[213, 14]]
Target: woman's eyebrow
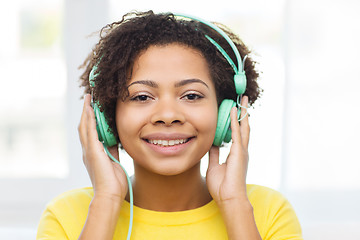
[[181, 83], [145, 82], [188, 81]]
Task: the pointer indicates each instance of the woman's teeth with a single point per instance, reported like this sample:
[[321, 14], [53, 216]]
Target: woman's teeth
[[166, 143]]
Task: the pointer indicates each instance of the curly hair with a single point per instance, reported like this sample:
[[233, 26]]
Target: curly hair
[[123, 41]]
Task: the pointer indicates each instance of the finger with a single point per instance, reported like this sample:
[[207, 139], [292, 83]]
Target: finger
[[91, 122], [83, 124], [235, 127], [244, 125], [213, 157]]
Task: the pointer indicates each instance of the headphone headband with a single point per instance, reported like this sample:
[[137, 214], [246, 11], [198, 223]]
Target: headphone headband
[[223, 34], [239, 77]]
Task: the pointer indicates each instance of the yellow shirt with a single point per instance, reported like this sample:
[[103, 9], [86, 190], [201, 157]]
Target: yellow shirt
[[65, 216]]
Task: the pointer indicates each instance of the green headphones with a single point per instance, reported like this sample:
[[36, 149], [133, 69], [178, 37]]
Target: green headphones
[[223, 131]]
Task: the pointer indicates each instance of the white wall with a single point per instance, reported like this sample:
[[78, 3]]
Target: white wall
[[305, 128]]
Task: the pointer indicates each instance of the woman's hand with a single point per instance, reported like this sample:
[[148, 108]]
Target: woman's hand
[[107, 177], [227, 181]]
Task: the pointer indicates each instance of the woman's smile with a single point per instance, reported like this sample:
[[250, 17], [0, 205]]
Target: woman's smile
[[168, 143], [169, 147]]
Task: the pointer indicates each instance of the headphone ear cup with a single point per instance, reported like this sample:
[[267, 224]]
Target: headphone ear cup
[[223, 131], [240, 82], [103, 128]]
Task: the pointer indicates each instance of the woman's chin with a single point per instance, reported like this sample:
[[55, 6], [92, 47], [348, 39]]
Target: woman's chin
[[171, 168]]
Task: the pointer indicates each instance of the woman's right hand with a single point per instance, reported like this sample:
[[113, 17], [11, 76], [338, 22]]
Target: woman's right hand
[[107, 177]]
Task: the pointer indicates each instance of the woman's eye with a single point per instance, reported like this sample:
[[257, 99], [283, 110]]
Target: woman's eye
[[193, 96], [140, 98]]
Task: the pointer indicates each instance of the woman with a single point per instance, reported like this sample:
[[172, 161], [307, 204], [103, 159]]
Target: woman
[[165, 89]]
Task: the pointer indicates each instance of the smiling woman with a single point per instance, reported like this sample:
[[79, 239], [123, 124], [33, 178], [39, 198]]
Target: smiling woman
[[169, 89]]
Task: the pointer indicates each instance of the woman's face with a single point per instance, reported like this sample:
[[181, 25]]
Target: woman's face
[[168, 121]]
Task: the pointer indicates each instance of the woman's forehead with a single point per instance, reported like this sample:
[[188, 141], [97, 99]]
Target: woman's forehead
[[171, 60]]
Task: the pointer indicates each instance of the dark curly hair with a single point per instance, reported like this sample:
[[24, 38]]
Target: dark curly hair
[[121, 43]]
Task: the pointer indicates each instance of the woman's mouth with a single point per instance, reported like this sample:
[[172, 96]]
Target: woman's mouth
[[168, 143]]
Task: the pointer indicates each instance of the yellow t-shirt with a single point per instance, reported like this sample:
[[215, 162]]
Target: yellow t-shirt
[[65, 216]]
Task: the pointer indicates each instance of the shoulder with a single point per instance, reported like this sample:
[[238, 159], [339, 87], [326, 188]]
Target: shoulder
[[274, 215], [260, 193], [73, 199], [65, 215], [80, 195], [265, 199], [73, 202]]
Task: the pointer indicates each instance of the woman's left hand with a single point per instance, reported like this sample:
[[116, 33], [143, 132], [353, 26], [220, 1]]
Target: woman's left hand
[[227, 182]]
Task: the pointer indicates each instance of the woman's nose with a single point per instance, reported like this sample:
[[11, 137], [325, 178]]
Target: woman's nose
[[167, 112]]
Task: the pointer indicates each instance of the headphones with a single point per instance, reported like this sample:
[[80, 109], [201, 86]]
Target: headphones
[[223, 131]]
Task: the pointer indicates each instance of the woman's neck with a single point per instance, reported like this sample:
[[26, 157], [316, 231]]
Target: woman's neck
[[169, 193]]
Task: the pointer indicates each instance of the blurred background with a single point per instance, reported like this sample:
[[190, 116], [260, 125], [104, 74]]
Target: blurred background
[[304, 130]]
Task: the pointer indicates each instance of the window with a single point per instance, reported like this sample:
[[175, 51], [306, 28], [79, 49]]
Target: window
[[32, 123]]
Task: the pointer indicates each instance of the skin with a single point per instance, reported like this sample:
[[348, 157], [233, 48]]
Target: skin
[[165, 102]]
